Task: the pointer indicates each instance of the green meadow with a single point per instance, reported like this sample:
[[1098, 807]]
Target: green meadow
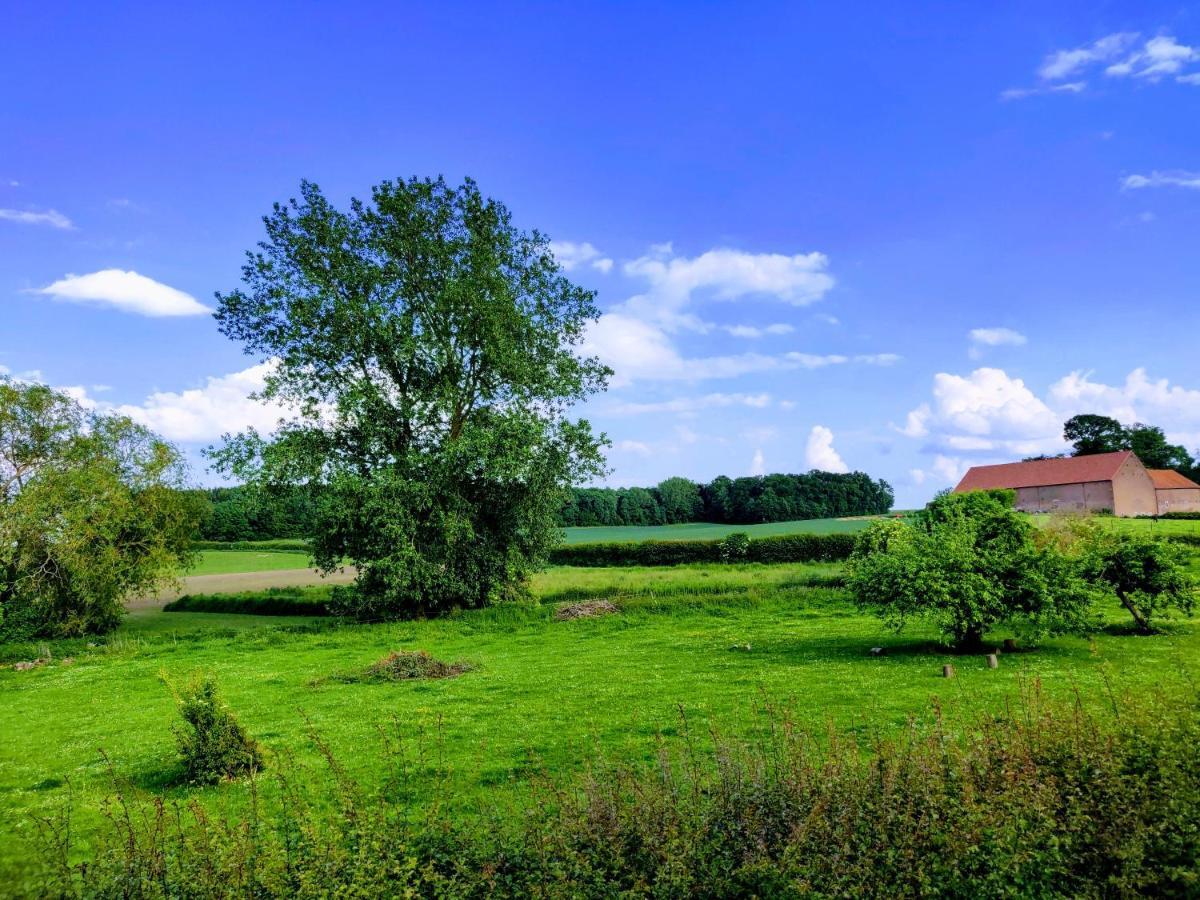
[[692, 651]]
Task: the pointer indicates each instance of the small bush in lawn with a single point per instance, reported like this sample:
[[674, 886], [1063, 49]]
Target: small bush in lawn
[[213, 746], [400, 665]]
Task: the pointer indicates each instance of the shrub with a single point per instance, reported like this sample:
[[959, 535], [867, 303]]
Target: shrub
[[735, 547], [787, 548], [213, 746], [968, 563]]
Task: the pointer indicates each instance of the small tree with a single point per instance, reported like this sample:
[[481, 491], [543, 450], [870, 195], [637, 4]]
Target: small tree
[[90, 514], [214, 746], [968, 563], [1146, 575]]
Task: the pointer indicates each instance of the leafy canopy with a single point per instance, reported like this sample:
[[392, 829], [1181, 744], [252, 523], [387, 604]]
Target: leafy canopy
[[90, 514], [1090, 433], [428, 352], [968, 563]]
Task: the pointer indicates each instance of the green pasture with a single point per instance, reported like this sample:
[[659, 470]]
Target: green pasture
[[707, 531], [694, 650], [227, 562]]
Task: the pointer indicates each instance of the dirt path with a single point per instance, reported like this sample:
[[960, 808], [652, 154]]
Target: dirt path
[[242, 581]]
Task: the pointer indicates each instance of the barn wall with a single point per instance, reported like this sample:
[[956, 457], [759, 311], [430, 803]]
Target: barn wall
[[1179, 500], [1133, 491], [1077, 497]]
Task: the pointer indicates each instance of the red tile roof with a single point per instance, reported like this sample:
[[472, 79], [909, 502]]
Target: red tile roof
[[1169, 479], [1041, 472]]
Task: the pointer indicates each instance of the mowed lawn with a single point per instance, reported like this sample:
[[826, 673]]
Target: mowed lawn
[[227, 562], [693, 649]]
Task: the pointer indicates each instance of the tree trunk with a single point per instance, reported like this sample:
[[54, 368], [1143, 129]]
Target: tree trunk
[[971, 641], [1143, 624]]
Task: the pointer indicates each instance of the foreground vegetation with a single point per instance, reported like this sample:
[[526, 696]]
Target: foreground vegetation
[[706, 645], [1038, 801]]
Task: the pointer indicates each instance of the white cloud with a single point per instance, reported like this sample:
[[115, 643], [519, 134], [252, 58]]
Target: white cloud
[[819, 454], [693, 404], [1070, 87], [221, 406], [750, 331], [991, 412], [1160, 56], [758, 465], [993, 337], [50, 217], [761, 435], [571, 255], [1064, 63], [126, 291], [1162, 179], [1120, 56], [726, 274]]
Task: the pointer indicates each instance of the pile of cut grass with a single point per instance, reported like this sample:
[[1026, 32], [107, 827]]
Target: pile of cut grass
[[404, 665]]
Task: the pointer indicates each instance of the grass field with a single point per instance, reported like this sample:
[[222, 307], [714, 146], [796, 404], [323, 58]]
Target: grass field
[[546, 696], [705, 531], [225, 562]]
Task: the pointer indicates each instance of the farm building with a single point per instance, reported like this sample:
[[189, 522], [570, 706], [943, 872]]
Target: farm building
[[1105, 481], [1175, 493]]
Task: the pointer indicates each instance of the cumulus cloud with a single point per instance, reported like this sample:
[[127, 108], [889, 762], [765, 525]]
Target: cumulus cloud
[[989, 411], [205, 413], [1162, 179], [51, 217], [571, 255], [126, 291], [819, 453]]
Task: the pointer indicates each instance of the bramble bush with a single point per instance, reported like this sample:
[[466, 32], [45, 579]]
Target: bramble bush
[[1042, 800]]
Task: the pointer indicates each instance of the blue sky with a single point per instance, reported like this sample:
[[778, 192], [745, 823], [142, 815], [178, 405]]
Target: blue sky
[[895, 238]]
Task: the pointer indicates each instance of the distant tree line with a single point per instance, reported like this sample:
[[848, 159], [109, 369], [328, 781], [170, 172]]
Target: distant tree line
[[739, 501], [245, 513]]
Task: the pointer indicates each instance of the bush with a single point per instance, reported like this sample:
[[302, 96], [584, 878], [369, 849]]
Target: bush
[[213, 746], [789, 548], [735, 547], [1040, 801]]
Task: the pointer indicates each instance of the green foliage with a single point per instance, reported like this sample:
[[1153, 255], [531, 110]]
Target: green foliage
[[786, 548], [405, 665], [283, 545], [90, 514], [1101, 434], [1038, 801], [1147, 575], [428, 349], [742, 501], [968, 562], [735, 548], [290, 601], [213, 747]]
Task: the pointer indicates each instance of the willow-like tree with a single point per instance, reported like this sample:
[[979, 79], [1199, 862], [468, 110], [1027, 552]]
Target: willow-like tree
[[91, 512], [429, 353]]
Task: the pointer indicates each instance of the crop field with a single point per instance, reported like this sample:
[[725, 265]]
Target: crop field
[[698, 649]]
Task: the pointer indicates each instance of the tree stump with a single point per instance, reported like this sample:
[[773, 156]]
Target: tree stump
[[947, 671], [993, 661]]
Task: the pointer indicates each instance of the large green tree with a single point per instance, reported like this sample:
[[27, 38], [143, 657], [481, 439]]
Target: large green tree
[[1091, 433], [429, 350], [91, 512]]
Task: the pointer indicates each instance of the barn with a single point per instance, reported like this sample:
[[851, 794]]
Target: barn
[[1117, 482], [1174, 492]]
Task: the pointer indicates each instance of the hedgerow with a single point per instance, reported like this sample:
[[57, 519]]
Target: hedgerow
[[293, 601], [789, 548]]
